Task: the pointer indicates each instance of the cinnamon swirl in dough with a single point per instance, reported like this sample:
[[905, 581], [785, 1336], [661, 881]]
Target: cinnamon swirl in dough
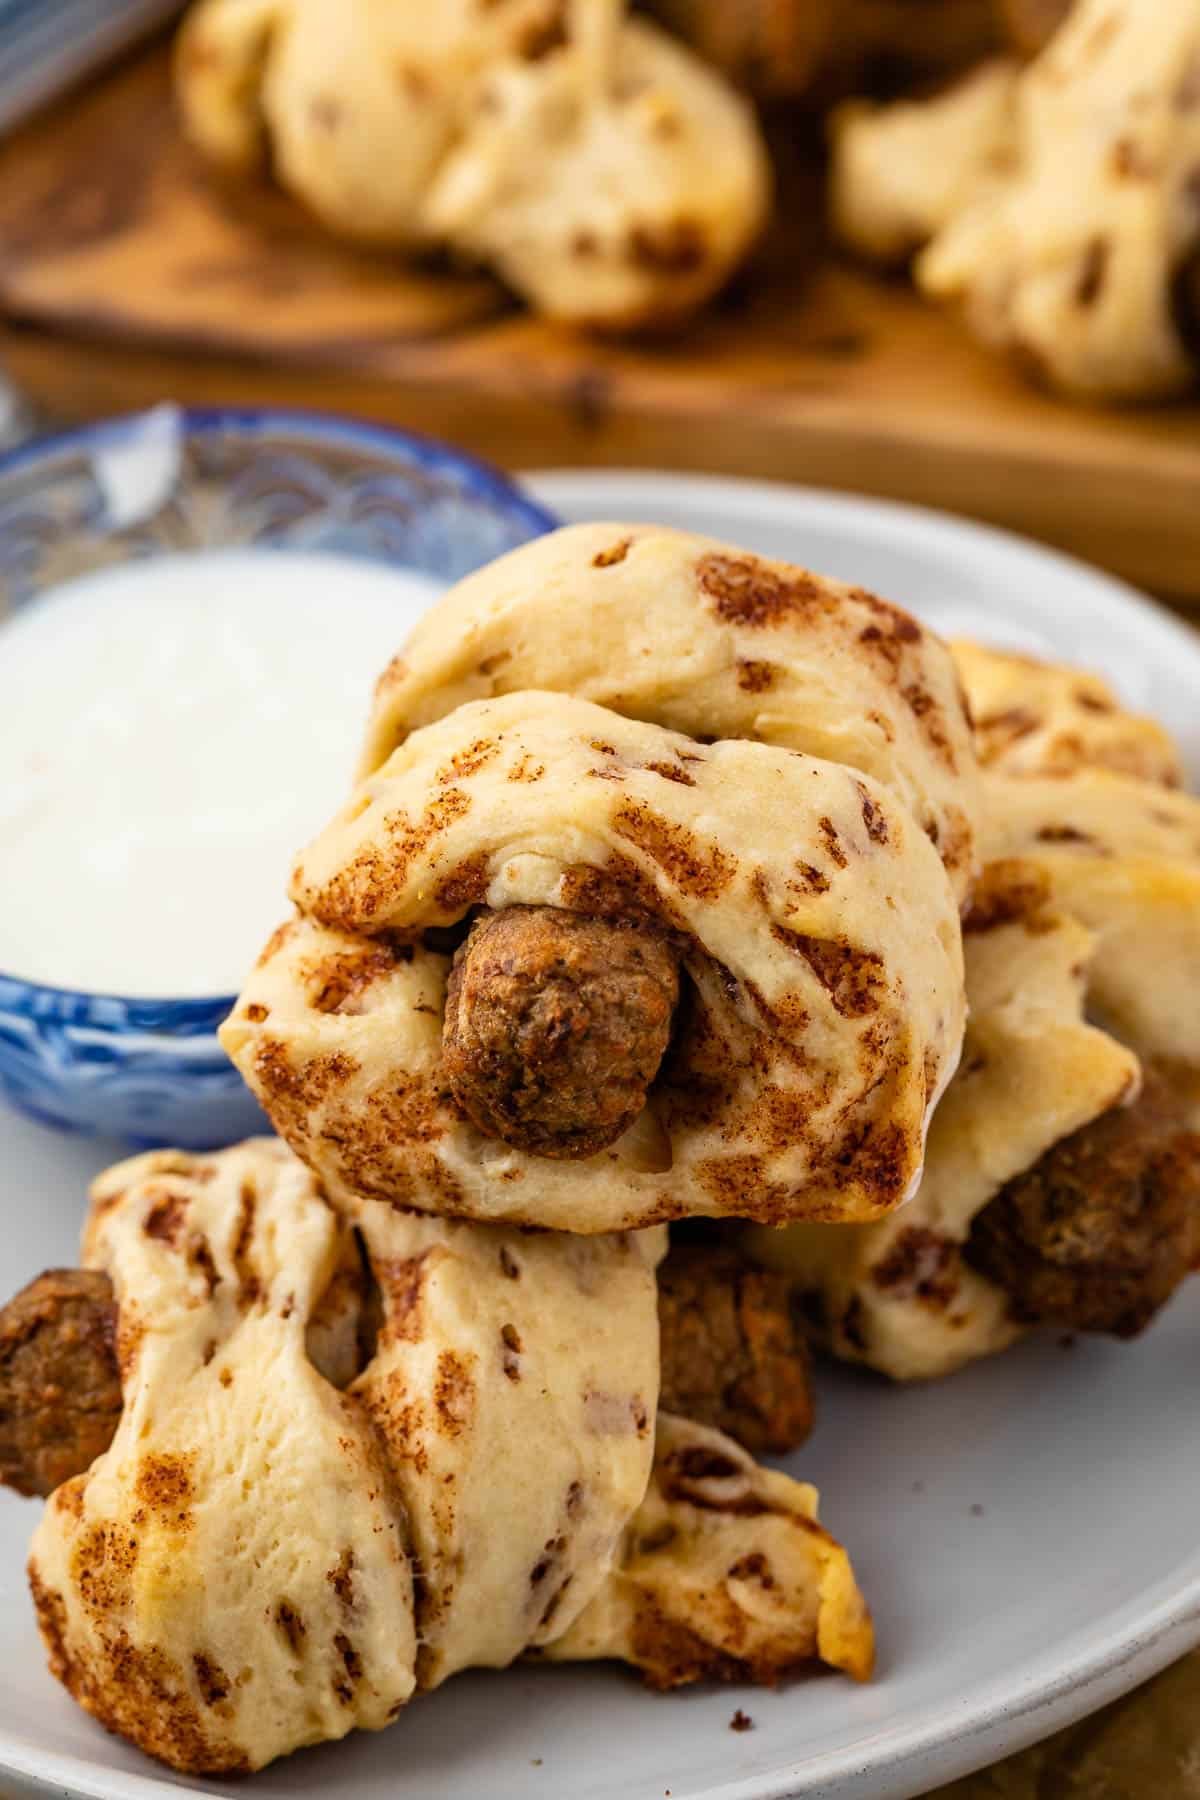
[[899, 1294], [1041, 718], [819, 1019], [724, 1572], [616, 181], [1062, 1177], [270, 1553], [707, 639]]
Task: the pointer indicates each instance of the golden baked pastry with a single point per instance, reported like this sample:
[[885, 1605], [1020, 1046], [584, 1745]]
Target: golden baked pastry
[[220, 56], [605, 172], [322, 86], [1076, 245], [263, 1559], [1123, 856], [898, 1294], [615, 182], [1089, 908], [723, 1571], [357, 105], [816, 925], [900, 173], [707, 639], [231, 1579], [1040, 718], [1073, 262]]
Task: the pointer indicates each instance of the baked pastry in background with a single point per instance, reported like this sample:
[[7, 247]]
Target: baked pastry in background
[[1077, 248], [220, 57], [337, 1478], [601, 169], [362, 101], [613, 182], [352, 103], [900, 173]]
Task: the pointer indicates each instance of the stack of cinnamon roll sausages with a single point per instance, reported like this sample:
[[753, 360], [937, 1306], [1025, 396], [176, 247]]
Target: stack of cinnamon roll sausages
[[621, 1035]]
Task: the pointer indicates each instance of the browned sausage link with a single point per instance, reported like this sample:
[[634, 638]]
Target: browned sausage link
[[1100, 1232], [732, 1353], [1032, 23], [731, 1357], [60, 1388], [60, 1394], [556, 1024]]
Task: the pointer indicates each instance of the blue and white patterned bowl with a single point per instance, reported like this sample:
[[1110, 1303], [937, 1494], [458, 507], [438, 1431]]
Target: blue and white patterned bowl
[[151, 1071]]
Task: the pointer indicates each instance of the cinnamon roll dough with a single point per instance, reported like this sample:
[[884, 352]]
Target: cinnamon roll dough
[[355, 106], [686, 632], [262, 1559], [818, 931], [723, 1572], [234, 1577], [898, 1294], [1082, 955], [1074, 261], [1041, 718], [1122, 856], [900, 173], [616, 181], [231, 1579], [606, 173]]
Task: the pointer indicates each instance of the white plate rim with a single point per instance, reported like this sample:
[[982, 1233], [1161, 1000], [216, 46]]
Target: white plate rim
[[1096, 1663], [988, 1723]]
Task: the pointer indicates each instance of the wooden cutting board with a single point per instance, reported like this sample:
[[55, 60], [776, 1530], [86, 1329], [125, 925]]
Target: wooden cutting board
[[127, 275]]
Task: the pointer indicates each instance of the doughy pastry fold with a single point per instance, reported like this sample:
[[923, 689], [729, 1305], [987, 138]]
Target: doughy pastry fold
[[724, 1572], [898, 1294], [713, 641], [819, 935], [1040, 718], [1122, 856], [1082, 953], [263, 1560]]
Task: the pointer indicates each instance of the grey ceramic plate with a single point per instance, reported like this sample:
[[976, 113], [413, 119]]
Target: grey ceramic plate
[[1027, 1533]]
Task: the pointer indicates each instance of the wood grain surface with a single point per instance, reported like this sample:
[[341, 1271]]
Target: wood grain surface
[[112, 236], [110, 228], [1144, 1747]]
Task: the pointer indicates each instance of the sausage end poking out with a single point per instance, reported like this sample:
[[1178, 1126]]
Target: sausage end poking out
[[1101, 1231], [733, 1356], [60, 1392], [556, 1024]]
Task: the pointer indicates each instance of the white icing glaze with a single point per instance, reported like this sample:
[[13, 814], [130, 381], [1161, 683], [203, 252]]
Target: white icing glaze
[[170, 730]]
